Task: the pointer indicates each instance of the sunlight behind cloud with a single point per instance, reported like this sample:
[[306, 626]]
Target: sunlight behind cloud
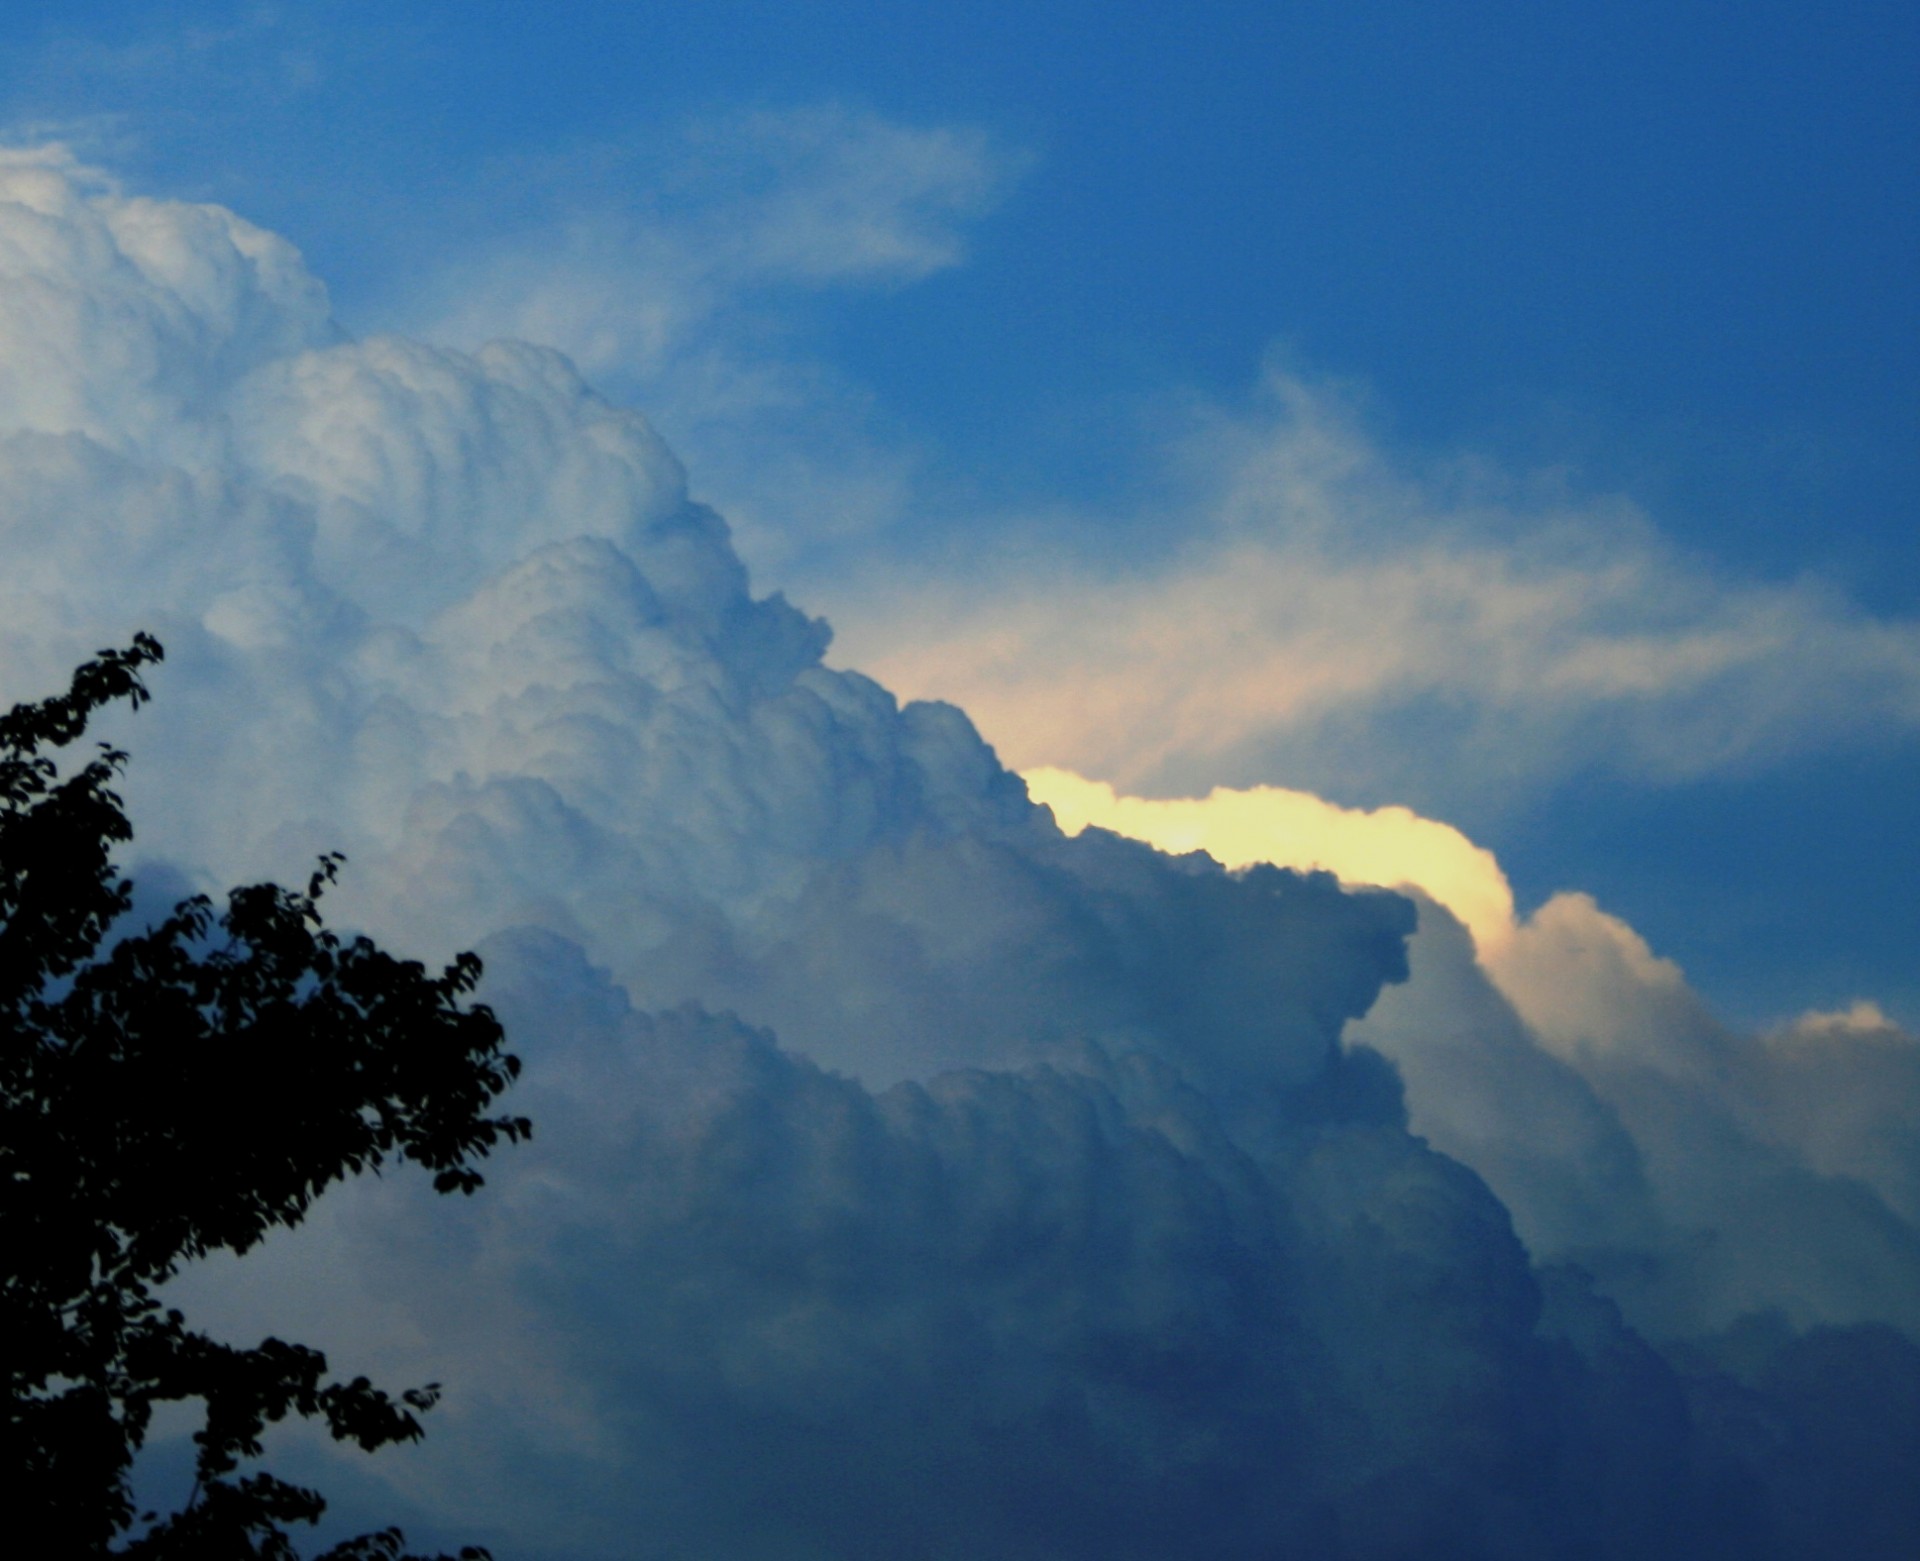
[[1385, 846], [1579, 1073]]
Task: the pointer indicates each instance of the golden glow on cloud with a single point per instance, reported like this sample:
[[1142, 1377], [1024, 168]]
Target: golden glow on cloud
[[1388, 846], [1863, 1018]]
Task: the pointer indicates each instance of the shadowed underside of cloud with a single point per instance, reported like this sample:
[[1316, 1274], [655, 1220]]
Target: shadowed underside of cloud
[[1033, 1204], [1702, 1173]]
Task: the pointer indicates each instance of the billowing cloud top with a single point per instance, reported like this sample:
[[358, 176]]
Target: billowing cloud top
[[1028, 1201]]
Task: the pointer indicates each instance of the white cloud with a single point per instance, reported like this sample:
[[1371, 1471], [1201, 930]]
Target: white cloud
[[637, 259], [827, 193], [623, 252], [1328, 603], [124, 317], [671, 267]]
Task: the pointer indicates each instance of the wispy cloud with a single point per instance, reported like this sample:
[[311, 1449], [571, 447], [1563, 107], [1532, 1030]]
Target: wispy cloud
[[1573, 1067], [1334, 614], [673, 267], [220, 61], [621, 254]]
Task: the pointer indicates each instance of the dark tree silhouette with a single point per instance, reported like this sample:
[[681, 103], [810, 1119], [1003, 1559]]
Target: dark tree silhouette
[[169, 1093]]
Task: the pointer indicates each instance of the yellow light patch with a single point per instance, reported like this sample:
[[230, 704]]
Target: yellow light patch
[[1385, 846]]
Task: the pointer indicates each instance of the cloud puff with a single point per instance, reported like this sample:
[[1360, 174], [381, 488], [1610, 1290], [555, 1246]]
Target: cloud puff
[[1065, 1223], [124, 317], [1331, 601]]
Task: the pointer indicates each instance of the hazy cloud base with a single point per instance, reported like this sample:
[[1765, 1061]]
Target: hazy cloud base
[[1033, 1204]]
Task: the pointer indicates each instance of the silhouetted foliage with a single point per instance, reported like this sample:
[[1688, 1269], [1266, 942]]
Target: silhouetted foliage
[[170, 1093]]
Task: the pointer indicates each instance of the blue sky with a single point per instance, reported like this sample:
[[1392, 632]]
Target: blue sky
[[1664, 253]]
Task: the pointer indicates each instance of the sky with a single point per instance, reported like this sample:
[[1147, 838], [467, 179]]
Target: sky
[[1473, 455], [1647, 265]]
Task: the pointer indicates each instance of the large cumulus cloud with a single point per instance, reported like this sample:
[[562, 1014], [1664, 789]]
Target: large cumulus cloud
[[1705, 1173], [1028, 1202]]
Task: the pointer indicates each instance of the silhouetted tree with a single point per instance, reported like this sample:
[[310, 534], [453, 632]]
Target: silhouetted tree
[[168, 1093]]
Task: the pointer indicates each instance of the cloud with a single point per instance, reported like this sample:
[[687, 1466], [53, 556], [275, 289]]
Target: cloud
[[676, 268], [262, 44], [1703, 1173], [1048, 1312], [1330, 604], [125, 316], [625, 252], [1389, 846], [1029, 1202]]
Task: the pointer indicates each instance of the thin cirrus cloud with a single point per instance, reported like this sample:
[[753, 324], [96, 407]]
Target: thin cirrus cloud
[[1326, 599], [910, 1177]]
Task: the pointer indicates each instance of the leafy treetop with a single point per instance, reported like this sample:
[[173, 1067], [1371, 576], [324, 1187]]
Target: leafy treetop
[[171, 1093]]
